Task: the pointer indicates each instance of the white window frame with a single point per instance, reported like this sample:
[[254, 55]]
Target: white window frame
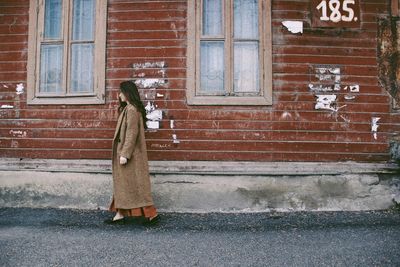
[[193, 58], [36, 29]]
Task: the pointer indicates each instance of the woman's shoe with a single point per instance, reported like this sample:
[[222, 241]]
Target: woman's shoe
[[152, 221]]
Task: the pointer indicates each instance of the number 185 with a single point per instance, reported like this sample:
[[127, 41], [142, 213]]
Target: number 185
[[338, 12]]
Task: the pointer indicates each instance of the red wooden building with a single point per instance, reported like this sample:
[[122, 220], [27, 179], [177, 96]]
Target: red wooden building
[[280, 80]]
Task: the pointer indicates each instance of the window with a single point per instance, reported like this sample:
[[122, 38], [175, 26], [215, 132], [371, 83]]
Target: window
[[66, 57], [229, 52]]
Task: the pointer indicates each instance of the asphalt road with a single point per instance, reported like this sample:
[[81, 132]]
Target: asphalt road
[[52, 237]]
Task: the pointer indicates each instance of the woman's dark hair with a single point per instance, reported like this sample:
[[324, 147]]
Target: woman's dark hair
[[129, 89]]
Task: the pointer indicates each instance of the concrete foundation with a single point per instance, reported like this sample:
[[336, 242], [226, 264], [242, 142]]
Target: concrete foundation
[[206, 186]]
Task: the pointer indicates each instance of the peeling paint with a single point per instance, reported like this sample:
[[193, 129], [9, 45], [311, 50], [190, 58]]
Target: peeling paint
[[155, 115], [374, 126], [327, 102], [162, 72], [18, 133], [328, 78], [149, 107], [20, 89], [349, 97], [150, 83], [160, 146], [153, 124], [388, 57], [173, 28], [150, 94], [175, 139], [346, 120], [14, 144], [148, 65], [286, 115], [293, 26], [355, 88], [6, 106], [321, 88]]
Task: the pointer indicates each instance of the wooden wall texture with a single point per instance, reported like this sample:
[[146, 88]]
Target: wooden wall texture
[[141, 32]]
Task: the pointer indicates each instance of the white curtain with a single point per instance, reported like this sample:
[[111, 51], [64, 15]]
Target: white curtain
[[212, 67], [52, 19], [212, 17], [51, 58]]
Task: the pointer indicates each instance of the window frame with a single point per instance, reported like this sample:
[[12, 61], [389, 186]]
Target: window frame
[[193, 57], [36, 30]]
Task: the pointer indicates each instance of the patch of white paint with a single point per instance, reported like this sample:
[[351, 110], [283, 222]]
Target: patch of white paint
[[320, 88], [155, 115], [148, 65], [175, 139], [334, 71], [328, 79], [14, 144], [160, 95], [150, 93], [173, 27], [160, 146], [171, 124], [20, 89], [327, 102], [293, 26], [349, 97], [162, 72], [149, 107], [5, 86], [150, 83], [7, 106], [15, 133], [153, 124], [374, 126], [286, 115], [354, 88]]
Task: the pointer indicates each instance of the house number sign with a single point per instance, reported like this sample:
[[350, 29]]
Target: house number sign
[[336, 13]]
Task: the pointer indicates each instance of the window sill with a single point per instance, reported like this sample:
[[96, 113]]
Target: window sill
[[230, 101], [93, 100]]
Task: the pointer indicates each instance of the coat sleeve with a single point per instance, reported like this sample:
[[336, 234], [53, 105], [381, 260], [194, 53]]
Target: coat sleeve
[[132, 130]]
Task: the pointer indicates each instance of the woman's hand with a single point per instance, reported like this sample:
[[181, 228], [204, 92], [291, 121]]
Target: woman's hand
[[123, 160]]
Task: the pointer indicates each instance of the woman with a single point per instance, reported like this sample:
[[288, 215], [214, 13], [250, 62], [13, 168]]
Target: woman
[[131, 180]]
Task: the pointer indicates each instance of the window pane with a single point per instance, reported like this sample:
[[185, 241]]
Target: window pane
[[83, 19], [52, 19], [51, 57], [245, 19], [212, 67], [82, 68], [212, 17], [246, 72]]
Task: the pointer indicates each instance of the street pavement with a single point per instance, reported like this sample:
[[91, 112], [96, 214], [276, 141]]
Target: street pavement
[[62, 237]]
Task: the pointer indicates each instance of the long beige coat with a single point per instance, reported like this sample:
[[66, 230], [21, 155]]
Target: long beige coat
[[132, 188]]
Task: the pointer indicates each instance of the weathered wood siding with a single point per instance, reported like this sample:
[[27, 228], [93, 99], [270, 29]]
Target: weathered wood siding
[[141, 32]]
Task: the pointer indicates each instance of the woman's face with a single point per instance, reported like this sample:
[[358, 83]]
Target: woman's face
[[122, 97]]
